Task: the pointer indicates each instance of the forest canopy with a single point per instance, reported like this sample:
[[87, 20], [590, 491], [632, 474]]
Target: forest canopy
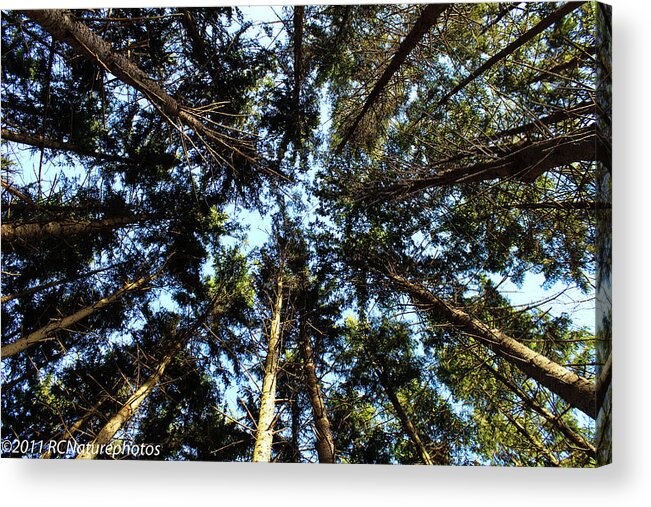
[[335, 234]]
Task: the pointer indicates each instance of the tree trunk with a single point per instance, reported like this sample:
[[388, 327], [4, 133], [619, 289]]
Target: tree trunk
[[38, 288], [46, 333], [575, 390], [426, 20], [489, 143], [40, 141], [266, 419], [554, 420], [39, 231], [403, 417], [129, 408], [68, 432], [66, 29], [325, 446], [524, 161], [536, 30]]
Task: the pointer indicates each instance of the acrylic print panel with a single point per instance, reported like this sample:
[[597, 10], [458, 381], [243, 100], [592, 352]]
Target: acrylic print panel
[[335, 234]]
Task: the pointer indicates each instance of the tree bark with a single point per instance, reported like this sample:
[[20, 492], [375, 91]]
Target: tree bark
[[69, 432], [487, 144], [513, 46], [575, 390], [39, 231], [266, 419], [531, 404], [66, 29], [426, 20], [325, 446], [523, 161], [46, 333], [53, 144], [403, 417], [34, 290], [129, 408]]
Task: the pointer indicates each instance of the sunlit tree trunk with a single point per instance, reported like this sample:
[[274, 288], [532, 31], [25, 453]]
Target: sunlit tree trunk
[[266, 419], [129, 408], [325, 445], [46, 333], [69, 431], [574, 389]]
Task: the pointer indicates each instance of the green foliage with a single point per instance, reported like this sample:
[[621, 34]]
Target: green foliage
[[443, 183]]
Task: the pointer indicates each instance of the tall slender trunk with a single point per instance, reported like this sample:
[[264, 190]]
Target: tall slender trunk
[[265, 427], [39, 231], [68, 432], [426, 20], [403, 417], [325, 446], [574, 389], [129, 408], [529, 35], [554, 420], [46, 333], [38, 288], [65, 28]]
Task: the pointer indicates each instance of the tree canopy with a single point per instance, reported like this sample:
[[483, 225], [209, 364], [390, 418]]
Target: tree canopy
[[336, 234]]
